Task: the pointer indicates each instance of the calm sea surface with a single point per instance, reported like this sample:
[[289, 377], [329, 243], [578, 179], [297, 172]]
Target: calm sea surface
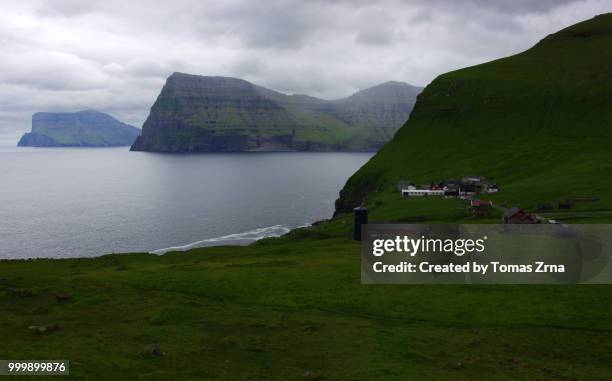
[[86, 202]]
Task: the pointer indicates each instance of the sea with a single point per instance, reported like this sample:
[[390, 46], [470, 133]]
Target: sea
[[86, 202]]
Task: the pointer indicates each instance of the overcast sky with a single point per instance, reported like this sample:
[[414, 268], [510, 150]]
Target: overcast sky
[[114, 55]]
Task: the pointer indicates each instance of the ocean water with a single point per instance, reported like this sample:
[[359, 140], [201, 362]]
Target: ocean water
[[73, 202]]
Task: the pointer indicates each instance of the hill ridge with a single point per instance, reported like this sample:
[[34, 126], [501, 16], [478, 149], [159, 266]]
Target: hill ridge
[[196, 113], [84, 128], [537, 122]]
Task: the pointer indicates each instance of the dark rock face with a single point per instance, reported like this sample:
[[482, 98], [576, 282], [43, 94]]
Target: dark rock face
[[220, 114], [87, 128], [32, 139]]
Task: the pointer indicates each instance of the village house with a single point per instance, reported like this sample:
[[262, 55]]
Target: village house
[[413, 191], [517, 215], [467, 187], [480, 207], [468, 190], [451, 192], [452, 183]]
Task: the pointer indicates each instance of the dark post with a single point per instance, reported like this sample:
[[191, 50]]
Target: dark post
[[361, 218]]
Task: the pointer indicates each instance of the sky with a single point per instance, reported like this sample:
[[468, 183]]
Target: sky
[[114, 55]]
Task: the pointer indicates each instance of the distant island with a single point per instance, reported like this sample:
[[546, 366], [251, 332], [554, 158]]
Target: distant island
[[88, 128], [220, 114]]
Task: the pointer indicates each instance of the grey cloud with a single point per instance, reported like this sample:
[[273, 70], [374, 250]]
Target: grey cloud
[[379, 28], [143, 67], [280, 24], [50, 70], [114, 55], [374, 37], [525, 6], [508, 7], [65, 8], [247, 67]]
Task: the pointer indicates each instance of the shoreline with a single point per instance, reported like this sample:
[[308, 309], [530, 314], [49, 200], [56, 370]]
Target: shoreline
[[234, 239]]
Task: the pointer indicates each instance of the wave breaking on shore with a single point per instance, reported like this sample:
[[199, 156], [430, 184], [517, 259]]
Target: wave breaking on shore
[[242, 239]]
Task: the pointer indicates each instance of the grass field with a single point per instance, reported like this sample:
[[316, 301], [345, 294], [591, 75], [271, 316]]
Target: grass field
[[294, 308]]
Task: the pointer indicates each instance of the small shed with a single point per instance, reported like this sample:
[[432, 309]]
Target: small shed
[[516, 215], [481, 207], [468, 189], [481, 204], [454, 192]]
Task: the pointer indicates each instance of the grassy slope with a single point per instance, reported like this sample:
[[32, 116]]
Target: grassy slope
[[286, 306], [180, 105], [538, 123], [191, 108]]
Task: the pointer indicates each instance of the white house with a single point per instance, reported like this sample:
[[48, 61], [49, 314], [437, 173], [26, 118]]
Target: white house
[[412, 191]]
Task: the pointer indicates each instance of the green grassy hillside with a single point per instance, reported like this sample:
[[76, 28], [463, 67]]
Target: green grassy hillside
[[293, 309], [539, 123], [220, 114]]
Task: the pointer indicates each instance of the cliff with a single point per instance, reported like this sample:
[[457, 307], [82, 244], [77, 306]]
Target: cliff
[[87, 128], [219, 114]]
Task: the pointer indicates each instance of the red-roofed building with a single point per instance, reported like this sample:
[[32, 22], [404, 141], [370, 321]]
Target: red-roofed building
[[481, 204], [518, 216]]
